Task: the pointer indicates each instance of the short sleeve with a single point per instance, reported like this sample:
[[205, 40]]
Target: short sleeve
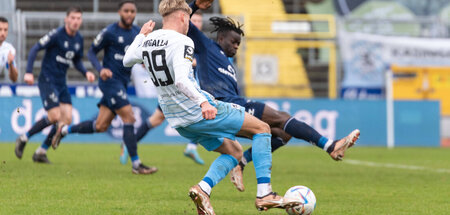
[[184, 52]]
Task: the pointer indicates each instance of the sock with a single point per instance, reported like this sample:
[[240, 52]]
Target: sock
[[219, 169], [205, 187], [330, 148], [38, 126], [262, 158], [303, 131], [276, 142], [142, 130], [48, 140], [135, 161], [42, 149], [129, 139], [86, 127], [191, 146], [263, 189]]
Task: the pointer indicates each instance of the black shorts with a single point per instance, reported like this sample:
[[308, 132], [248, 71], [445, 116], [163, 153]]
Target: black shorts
[[52, 94], [252, 107]]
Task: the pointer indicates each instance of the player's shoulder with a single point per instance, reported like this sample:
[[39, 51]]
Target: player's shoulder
[[6, 45], [136, 28]]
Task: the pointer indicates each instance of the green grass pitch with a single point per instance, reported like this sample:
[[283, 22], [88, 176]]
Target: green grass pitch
[[88, 179]]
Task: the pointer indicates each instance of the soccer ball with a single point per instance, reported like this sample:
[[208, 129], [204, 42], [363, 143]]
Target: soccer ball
[[306, 196]]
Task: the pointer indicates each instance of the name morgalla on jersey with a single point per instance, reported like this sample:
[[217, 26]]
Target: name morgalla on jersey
[[168, 56], [115, 41]]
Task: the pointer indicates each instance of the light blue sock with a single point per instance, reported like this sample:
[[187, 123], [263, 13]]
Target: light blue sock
[[219, 169], [262, 157]]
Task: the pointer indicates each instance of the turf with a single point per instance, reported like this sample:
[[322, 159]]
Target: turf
[[88, 179]]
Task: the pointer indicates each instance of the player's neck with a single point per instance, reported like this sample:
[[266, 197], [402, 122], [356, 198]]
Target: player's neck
[[121, 25], [69, 32], [171, 26]]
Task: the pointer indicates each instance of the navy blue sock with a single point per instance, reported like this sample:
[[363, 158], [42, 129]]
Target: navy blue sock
[[303, 131], [48, 139], [129, 139], [276, 143], [86, 127], [38, 126], [142, 130]]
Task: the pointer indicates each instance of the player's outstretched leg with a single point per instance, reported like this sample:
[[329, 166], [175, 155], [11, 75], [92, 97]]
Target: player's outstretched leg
[[40, 155], [337, 151], [231, 152], [262, 158], [191, 152], [85, 127], [22, 140]]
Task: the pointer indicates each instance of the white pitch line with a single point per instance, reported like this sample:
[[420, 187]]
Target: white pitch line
[[395, 166]]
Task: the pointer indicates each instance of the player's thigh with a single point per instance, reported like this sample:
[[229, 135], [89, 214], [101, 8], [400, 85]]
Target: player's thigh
[[274, 118], [126, 114], [252, 126], [104, 119], [66, 113], [230, 147]]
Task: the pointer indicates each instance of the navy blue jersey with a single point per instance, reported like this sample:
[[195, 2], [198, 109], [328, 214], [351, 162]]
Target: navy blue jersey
[[62, 50], [215, 73], [114, 40]]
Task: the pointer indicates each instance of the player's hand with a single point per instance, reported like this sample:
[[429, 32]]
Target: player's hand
[[28, 78], [208, 111], [105, 74], [10, 58], [147, 28], [90, 76], [204, 4]]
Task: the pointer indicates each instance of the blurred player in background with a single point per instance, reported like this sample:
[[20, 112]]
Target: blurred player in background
[[157, 118], [114, 78], [217, 75], [7, 52], [64, 46], [168, 55]]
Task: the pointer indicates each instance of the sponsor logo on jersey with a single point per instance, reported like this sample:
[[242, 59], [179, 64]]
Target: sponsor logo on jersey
[[189, 53]]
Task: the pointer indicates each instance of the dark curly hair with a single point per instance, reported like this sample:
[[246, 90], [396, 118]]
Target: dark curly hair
[[222, 25]]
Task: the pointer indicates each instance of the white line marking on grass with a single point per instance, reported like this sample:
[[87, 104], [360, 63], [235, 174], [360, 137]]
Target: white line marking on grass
[[395, 166]]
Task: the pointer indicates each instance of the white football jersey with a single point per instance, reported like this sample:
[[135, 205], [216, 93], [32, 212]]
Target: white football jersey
[[168, 57], [5, 48]]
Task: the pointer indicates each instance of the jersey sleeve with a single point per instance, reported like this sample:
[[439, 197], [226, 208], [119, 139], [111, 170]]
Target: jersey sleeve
[[182, 68], [77, 61], [133, 55], [100, 41], [48, 40]]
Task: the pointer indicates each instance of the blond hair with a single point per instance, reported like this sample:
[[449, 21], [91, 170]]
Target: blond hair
[[167, 7]]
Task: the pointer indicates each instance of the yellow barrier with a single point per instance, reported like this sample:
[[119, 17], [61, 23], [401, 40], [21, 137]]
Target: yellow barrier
[[288, 78], [423, 83]]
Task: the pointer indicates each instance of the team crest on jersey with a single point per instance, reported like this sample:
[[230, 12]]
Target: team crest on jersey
[[189, 53], [66, 44], [77, 46], [120, 39]]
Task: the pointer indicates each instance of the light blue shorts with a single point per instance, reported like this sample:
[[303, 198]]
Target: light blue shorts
[[210, 133]]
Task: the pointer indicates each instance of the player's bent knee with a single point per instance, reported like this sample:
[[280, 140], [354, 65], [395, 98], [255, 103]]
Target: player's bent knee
[[263, 128], [101, 127]]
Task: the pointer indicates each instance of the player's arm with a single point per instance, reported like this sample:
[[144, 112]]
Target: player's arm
[[43, 43], [11, 66], [182, 65], [201, 41], [78, 63], [99, 43], [134, 53]]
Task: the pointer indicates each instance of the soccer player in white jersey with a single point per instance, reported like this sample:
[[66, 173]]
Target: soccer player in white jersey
[[168, 55], [7, 52]]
